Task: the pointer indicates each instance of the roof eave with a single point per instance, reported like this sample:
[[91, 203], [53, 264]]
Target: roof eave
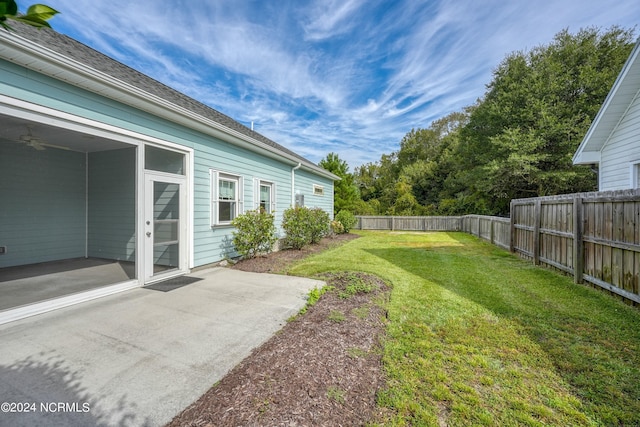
[[598, 133], [587, 158]]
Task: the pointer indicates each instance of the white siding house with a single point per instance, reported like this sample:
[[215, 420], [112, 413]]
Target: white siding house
[[613, 140], [101, 162]]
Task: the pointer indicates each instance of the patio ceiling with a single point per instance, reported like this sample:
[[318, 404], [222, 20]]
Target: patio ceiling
[[43, 136]]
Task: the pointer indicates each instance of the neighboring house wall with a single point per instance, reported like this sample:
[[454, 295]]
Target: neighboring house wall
[[41, 218], [112, 204], [621, 153]]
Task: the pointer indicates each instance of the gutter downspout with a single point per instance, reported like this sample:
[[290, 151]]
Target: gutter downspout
[[293, 184]]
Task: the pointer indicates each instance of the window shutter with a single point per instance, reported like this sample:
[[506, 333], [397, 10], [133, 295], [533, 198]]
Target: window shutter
[[273, 198], [214, 197], [240, 196], [256, 193]]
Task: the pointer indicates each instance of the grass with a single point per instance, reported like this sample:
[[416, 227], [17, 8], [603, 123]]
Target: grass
[[313, 298], [336, 394], [477, 336], [337, 316], [355, 286]]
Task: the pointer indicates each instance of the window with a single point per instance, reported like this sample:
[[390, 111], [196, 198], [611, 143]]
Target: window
[[162, 160], [635, 174], [265, 196], [318, 190], [226, 197]]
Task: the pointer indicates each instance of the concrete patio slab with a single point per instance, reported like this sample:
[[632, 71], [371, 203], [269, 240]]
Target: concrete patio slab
[[139, 357]]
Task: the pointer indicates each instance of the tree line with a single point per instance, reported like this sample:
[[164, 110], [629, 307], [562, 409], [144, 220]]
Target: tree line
[[517, 141]]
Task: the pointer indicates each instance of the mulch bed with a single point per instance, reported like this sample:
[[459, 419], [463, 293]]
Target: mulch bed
[[277, 262], [323, 368]]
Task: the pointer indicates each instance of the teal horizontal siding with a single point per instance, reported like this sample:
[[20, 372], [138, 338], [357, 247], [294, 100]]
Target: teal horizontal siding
[[42, 204], [112, 204], [304, 185]]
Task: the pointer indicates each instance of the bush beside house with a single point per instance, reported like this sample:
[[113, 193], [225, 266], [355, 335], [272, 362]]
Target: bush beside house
[[255, 233]]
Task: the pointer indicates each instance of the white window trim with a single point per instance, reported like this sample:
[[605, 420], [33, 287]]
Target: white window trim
[[318, 187], [215, 176], [634, 174], [257, 183]]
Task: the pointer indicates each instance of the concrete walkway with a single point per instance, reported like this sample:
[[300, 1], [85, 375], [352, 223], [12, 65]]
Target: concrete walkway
[[139, 357]]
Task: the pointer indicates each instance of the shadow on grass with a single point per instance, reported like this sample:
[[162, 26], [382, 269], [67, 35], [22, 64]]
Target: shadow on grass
[[592, 339]]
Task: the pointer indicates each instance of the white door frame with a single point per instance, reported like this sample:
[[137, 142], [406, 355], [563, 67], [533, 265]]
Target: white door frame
[[148, 227]]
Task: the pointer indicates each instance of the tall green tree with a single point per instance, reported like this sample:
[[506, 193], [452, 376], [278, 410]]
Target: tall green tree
[[345, 191], [516, 141], [410, 181], [521, 136]]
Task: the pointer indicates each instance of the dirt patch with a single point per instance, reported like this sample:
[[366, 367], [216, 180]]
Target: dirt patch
[[323, 368]]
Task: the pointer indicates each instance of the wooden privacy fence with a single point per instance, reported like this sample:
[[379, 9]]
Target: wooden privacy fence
[[409, 223], [595, 237], [492, 228]]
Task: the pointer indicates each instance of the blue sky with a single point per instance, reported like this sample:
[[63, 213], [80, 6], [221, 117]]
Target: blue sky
[[351, 76]]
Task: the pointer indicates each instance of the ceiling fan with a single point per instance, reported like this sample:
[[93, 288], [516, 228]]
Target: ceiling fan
[[35, 142]]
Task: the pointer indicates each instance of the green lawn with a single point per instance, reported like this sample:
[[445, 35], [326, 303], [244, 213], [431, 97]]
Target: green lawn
[[477, 336]]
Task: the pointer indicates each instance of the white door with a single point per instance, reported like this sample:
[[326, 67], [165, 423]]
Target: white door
[[164, 226]]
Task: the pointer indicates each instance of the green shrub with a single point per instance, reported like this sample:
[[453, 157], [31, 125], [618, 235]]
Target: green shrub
[[304, 226], [296, 223], [255, 233], [337, 227], [347, 219], [319, 224]]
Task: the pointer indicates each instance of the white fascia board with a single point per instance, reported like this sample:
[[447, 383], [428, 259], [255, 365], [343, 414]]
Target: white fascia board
[[39, 58], [586, 158]]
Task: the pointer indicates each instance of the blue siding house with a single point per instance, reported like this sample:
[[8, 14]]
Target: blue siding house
[[102, 163]]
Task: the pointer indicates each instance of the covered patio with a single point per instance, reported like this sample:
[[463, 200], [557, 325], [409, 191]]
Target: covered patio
[[73, 198]]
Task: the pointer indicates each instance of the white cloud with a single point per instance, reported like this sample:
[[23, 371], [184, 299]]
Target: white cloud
[[326, 75], [330, 18]]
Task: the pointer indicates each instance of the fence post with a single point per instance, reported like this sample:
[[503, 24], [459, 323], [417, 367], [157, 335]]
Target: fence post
[[491, 233], [578, 247], [512, 228], [392, 223], [536, 232]]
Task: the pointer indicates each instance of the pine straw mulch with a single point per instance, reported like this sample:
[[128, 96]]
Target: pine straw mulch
[[323, 368]]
